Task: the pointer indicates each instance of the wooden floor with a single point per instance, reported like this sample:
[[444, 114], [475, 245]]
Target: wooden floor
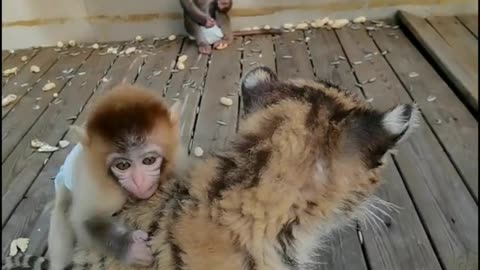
[[433, 178], [453, 44]]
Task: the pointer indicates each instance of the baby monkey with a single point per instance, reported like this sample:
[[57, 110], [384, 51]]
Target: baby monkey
[[129, 144], [208, 23]]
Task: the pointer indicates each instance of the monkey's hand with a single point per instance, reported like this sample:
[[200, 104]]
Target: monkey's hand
[[139, 253], [210, 22]]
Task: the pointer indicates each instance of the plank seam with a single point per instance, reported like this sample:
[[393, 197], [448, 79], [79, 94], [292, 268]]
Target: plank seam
[[46, 107], [430, 126], [419, 214], [29, 89], [51, 154]]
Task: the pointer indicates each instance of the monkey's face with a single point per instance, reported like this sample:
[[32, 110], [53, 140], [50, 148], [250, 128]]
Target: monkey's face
[[224, 5], [138, 170]]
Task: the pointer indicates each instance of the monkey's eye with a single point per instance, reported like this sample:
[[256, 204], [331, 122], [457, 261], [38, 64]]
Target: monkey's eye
[[149, 160], [122, 165]]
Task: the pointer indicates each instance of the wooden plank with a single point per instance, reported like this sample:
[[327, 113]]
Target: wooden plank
[[257, 50], [162, 62], [125, 69], [435, 187], [451, 122], [186, 87], [463, 43], [340, 255], [21, 84], [15, 125], [222, 81], [5, 55], [15, 61], [470, 22], [399, 240], [464, 79], [292, 56], [51, 127]]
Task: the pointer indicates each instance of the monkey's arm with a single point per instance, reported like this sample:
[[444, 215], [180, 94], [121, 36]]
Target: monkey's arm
[[223, 22], [194, 12], [102, 232]]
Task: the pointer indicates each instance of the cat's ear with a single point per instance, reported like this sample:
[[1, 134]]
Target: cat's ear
[[374, 134], [256, 87]]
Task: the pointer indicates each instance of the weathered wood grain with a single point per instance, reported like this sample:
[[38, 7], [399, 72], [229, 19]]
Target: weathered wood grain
[[470, 22], [449, 119], [222, 81], [436, 188], [24, 82], [464, 79]]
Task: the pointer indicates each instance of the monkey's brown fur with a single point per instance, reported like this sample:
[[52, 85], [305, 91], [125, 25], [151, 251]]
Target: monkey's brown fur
[[110, 123], [305, 161]]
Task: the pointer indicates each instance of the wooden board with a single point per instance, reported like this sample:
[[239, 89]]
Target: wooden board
[[222, 81], [344, 252], [50, 128], [186, 87], [26, 80], [448, 118], [459, 38], [124, 69], [163, 61], [471, 22], [15, 61], [292, 56], [257, 51], [17, 123], [5, 55], [464, 79], [436, 189]]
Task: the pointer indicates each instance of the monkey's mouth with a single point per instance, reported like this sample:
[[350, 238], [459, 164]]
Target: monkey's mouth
[[147, 193]]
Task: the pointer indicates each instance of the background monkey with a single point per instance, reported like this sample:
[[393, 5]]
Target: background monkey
[[201, 17], [130, 143]]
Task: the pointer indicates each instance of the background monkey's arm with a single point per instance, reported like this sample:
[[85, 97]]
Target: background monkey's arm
[[194, 12], [223, 22]]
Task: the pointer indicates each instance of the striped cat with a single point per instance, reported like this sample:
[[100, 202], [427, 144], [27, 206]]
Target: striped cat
[[306, 161]]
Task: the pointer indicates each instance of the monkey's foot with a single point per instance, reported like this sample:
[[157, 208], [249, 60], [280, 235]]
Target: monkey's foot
[[205, 49], [220, 45], [139, 253]]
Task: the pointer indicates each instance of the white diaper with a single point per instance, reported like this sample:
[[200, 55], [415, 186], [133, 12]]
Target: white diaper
[[212, 34], [65, 174]]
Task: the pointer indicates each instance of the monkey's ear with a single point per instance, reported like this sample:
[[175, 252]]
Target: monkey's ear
[[79, 134], [175, 112]]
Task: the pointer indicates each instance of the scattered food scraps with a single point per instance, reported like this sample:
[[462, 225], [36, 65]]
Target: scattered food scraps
[[95, 46], [339, 23], [180, 66], [431, 98], [288, 26], [34, 69], [59, 44], [63, 143], [130, 50], [172, 37], [139, 38], [72, 43], [360, 19], [302, 26], [226, 101], [49, 86], [182, 58], [19, 243], [9, 99], [36, 143], [46, 148], [413, 74], [198, 151], [24, 58], [10, 71]]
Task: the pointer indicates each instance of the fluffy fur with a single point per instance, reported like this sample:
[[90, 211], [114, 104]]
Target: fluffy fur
[[306, 160]]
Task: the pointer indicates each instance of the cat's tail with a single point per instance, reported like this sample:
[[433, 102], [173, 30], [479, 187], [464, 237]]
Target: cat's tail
[[23, 261]]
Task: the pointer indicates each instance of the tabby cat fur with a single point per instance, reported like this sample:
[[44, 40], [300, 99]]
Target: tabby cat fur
[[306, 160]]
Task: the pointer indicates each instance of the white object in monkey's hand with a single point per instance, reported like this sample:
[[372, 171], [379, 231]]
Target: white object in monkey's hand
[[212, 34]]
